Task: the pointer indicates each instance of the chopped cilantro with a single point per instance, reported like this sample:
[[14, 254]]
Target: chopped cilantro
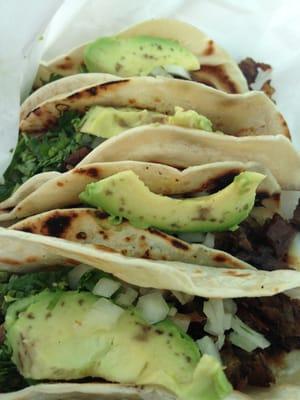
[[45, 152], [90, 278], [20, 286]]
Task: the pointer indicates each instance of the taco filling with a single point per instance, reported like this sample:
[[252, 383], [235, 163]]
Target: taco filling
[[84, 324], [75, 135]]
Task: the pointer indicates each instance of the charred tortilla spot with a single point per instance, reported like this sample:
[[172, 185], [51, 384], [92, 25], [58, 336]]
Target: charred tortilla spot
[[75, 96], [209, 49], [7, 209], [220, 258], [92, 91], [81, 235], [237, 274], [59, 184], [104, 248], [9, 261], [95, 89], [31, 259], [146, 254], [92, 172], [101, 214], [48, 315], [209, 74], [179, 244], [30, 316], [57, 224], [66, 65], [37, 112], [131, 101], [285, 126], [158, 233], [220, 182]]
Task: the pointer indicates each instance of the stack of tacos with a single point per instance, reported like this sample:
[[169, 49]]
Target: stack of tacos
[[144, 255]]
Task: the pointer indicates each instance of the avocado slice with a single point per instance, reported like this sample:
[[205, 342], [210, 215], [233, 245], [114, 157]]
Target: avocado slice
[[137, 55], [109, 121], [72, 335], [125, 195]]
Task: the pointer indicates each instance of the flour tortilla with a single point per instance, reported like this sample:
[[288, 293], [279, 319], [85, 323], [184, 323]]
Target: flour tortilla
[[217, 68], [107, 391], [90, 226], [63, 190], [182, 148], [248, 114], [97, 391], [22, 251], [67, 85]]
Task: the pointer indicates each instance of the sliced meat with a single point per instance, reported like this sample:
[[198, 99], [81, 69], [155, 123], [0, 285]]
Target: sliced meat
[[250, 69], [276, 317], [296, 217], [243, 368], [268, 89], [279, 234], [76, 157], [265, 247]]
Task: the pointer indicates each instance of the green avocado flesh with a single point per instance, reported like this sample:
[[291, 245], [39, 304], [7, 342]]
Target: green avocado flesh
[[137, 55], [79, 335], [125, 195], [109, 121]]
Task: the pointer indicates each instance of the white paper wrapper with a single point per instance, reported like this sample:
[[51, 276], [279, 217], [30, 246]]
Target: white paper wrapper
[[268, 31]]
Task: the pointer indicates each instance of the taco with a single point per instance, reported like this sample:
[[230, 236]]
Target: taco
[[72, 332], [62, 130], [162, 47]]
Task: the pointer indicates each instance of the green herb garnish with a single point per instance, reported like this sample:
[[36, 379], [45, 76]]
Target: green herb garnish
[[45, 152]]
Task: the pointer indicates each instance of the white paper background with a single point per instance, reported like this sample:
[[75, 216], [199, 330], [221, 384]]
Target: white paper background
[[267, 30]]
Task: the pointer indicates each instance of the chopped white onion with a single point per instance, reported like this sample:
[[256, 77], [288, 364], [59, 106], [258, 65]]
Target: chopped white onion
[[220, 341], [153, 307], [208, 346], [182, 321], [104, 314], [183, 298], [214, 310], [192, 237], [209, 240], [261, 78], [76, 273], [106, 287], [245, 337], [127, 297], [230, 306], [178, 71], [219, 315]]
